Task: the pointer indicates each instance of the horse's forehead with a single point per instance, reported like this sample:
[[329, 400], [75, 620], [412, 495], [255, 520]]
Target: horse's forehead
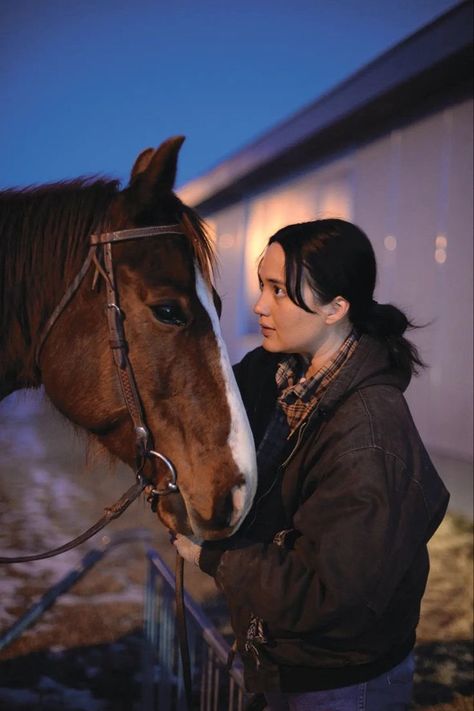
[[160, 258]]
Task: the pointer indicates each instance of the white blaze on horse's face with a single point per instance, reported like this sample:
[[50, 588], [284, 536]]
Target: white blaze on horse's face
[[240, 438]]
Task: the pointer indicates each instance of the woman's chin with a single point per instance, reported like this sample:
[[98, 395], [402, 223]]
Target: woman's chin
[[269, 345]]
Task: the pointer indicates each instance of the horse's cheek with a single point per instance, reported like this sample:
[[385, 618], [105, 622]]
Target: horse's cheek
[[79, 373]]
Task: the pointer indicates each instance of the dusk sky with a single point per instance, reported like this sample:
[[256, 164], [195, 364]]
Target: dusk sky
[[87, 84]]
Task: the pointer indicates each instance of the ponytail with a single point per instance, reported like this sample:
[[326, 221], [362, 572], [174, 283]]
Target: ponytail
[[387, 323]]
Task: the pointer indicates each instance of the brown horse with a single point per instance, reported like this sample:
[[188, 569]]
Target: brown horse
[[185, 385]]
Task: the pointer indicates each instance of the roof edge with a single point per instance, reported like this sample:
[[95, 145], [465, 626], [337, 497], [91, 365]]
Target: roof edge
[[433, 44]]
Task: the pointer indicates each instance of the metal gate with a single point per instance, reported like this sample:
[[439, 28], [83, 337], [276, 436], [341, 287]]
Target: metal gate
[[216, 688]]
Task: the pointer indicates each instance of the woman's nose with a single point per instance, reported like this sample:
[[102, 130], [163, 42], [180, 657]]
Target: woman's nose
[[260, 307]]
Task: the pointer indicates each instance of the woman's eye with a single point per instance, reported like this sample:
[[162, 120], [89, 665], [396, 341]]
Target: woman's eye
[[278, 291], [171, 314]]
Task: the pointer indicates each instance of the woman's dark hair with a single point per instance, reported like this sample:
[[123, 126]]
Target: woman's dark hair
[[337, 259]]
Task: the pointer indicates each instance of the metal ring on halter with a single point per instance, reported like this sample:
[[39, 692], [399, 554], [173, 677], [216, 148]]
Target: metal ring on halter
[[171, 485]]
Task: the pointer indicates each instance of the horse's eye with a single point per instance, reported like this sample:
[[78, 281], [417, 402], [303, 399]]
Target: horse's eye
[[170, 313]]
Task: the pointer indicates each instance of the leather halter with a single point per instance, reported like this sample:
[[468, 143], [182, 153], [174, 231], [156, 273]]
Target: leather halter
[[100, 252], [100, 248]]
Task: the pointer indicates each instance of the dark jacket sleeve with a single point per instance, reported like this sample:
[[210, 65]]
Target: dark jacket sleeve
[[255, 376], [358, 536]]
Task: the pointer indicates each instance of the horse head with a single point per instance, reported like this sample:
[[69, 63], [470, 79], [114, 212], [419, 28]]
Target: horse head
[[184, 381]]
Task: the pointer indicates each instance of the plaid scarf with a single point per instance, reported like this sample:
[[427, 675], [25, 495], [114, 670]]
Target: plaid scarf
[[300, 395]]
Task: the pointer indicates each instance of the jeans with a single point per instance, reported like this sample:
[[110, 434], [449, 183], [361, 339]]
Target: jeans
[[390, 691]]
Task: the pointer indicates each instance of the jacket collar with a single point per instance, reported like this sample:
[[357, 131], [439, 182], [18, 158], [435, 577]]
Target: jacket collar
[[368, 365]]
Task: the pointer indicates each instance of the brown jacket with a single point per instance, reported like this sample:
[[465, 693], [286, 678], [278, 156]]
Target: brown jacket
[[325, 579]]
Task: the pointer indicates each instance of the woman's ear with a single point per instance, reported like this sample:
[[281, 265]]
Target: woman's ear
[[336, 310]]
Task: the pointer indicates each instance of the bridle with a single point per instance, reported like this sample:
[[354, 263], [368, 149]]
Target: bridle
[[100, 255]]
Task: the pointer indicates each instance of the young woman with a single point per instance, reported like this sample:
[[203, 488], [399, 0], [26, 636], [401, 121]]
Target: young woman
[[324, 580]]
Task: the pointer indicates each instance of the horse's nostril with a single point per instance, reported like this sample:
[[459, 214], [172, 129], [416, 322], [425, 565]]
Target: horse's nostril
[[226, 513], [238, 503]]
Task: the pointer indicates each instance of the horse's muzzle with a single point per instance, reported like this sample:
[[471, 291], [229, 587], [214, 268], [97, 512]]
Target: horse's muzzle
[[227, 515]]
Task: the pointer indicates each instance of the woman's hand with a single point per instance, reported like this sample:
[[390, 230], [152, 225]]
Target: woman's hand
[[188, 549]]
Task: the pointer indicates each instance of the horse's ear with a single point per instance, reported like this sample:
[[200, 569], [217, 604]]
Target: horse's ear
[[141, 163], [156, 170]]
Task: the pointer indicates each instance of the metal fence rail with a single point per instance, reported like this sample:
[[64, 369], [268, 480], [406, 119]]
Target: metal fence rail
[[215, 687]]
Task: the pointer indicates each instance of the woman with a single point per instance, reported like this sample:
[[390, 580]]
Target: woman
[[325, 578]]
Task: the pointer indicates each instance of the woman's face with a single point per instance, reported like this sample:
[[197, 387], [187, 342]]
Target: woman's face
[[287, 328]]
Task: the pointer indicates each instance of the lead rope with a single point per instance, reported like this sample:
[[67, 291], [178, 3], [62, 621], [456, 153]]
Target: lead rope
[[110, 513]]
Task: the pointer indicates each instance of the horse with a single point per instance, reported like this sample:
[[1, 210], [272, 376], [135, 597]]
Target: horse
[[59, 245]]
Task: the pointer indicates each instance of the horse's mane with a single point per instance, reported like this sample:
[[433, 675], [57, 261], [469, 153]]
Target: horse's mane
[[196, 231], [45, 229]]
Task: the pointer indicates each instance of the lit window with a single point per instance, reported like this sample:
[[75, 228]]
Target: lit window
[[390, 243], [441, 244]]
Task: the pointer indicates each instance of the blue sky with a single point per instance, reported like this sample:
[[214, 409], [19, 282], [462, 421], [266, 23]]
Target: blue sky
[[86, 84]]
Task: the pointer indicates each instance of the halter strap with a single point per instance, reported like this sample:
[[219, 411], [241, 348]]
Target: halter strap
[[95, 241], [136, 233]]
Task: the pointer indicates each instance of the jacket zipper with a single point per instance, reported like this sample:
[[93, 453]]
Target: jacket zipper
[[297, 444]]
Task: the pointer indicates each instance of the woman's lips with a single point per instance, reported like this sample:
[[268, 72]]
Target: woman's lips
[[266, 330]]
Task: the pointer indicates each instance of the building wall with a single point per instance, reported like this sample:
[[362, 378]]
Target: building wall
[[411, 191]]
